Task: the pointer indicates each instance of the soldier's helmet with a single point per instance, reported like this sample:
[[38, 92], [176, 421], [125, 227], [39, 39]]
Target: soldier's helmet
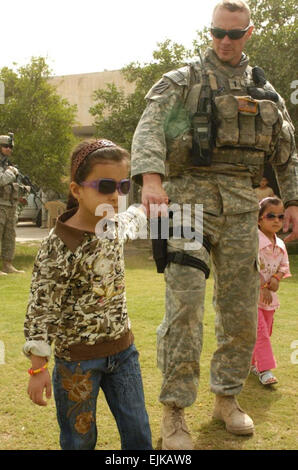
[[7, 140]]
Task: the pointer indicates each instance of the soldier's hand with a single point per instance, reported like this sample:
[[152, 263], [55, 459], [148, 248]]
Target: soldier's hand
[[154, 195], [13, 169], [291, 217]]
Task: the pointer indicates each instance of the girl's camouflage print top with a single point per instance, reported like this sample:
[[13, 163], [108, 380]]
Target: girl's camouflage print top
[[77, 296]]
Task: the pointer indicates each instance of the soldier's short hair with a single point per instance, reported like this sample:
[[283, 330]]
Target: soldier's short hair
[[233, 5]]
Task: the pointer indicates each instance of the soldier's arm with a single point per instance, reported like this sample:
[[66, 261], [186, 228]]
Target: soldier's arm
[[285, 165], [7, 176], [285, 161], [149, 146]]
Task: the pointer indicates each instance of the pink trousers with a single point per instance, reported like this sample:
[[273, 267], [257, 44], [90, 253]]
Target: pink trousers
[[262, 356]]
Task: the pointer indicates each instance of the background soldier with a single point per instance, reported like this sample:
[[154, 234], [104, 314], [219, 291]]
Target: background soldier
[[213, 126], [9, 193]]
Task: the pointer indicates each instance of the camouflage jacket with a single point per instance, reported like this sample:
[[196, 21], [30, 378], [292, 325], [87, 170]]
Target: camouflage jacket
[[77, 296], [166, 120]]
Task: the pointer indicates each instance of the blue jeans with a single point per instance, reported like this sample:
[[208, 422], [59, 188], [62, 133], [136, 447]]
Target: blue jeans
[[76, 387]]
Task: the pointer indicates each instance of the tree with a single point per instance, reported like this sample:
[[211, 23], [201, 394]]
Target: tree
[[274, 45], [116, 114], [41, 121]]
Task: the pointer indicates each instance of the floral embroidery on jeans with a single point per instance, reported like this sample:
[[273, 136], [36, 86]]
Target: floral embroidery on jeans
[[83, 422], [79, 388]]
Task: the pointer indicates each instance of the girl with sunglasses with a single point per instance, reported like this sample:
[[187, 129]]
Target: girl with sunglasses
[[78, 300], [274, 266]]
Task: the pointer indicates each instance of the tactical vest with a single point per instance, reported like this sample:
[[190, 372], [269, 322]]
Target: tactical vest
[[246, 130]]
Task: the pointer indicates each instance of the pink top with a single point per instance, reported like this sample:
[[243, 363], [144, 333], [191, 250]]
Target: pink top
[[272, 260]]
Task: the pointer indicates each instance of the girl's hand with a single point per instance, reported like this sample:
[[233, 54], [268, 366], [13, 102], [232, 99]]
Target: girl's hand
[[266, 296], [273, 284], [37, 384]]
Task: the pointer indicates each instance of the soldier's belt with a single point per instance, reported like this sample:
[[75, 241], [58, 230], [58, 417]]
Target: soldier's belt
[[245, 156]]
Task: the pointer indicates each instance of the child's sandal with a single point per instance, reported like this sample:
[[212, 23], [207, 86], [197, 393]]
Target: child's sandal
[[267, 378]]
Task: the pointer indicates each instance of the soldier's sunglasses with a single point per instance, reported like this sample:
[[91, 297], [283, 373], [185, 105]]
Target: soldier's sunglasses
[[233, 34], [109, 185], [271, 216]]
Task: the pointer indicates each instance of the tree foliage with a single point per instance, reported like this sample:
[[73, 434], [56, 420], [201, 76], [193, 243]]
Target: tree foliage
[[273, 47], [117, 114], [41, 121]]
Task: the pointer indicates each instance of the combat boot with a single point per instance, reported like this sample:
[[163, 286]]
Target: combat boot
[[10, 269], [228, 410], [174, 432]]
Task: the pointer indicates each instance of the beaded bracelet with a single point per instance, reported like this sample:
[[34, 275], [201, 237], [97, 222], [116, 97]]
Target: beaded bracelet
[[37, 371], [265, 285]]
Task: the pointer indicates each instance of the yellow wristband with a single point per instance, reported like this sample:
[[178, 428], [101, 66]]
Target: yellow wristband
[[37, 371]]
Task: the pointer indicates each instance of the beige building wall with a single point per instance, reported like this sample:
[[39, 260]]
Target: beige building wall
[[78, 89]]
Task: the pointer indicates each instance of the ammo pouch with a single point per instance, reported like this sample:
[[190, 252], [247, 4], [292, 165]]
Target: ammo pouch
[[284, 145], [7, 193], [245, 122], [162, 258]]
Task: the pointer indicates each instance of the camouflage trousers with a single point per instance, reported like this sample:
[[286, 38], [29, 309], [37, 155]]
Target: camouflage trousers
[[8, 219], [234, 245]]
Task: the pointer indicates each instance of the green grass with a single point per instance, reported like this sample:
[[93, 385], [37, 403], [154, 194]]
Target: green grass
[[274, 410]]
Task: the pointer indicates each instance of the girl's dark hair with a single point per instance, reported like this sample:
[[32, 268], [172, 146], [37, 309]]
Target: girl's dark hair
[[268, 201], [110, 154]]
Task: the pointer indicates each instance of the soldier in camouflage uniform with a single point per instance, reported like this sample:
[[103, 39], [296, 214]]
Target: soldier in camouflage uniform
[[248, 131], [9, 193]]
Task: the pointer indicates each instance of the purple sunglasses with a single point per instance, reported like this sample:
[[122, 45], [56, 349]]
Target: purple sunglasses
[[109, 185]]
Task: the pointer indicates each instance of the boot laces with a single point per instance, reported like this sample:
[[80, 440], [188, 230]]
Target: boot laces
[[177, 418]]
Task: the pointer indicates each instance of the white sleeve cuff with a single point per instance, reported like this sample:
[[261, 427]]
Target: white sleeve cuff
[[38, 348], [138, 211]]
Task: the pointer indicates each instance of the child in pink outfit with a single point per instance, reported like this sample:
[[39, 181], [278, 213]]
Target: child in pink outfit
[[274, 266]]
